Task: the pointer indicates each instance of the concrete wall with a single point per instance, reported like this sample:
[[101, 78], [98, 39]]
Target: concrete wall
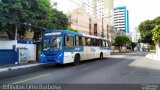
[[31, 50], [8, 44], [158, 48]]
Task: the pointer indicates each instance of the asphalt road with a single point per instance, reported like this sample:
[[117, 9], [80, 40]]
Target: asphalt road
[[129, 68]]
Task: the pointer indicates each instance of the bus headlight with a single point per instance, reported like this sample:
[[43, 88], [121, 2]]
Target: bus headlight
[[59, 56], [42, 55]]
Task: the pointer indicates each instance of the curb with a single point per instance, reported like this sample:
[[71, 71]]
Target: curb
[[18, 67]]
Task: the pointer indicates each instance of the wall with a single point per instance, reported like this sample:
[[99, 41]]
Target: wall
[[31, 49], [8, 44], [8, 57], [158, 48]]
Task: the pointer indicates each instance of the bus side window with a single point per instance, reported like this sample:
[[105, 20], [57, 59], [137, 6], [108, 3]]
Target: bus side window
[[107, 44], [104, 43], [88, 41], [95, 42], [69, 42], [99, 42], [80, 41], [83, 41], [77, 41]]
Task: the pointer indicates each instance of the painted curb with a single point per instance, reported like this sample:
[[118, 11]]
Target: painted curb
[[18, 67]]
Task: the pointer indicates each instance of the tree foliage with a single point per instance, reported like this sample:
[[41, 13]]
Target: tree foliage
[[121, 41], [156, 33], [149, 30], [34, 14], [71, 29], [145, 30]]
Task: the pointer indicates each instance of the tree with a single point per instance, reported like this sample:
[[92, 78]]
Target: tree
[[156, 30], [71, 29], [60, 20], [145, 30], [156, 34], [24, 14], [157, 20], [121, 41]]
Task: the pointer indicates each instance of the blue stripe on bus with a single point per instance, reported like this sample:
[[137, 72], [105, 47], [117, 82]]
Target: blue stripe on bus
[[75, 49]]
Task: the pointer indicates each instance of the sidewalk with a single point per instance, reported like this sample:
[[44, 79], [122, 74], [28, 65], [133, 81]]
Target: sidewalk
[[4, 68], [153, 56]]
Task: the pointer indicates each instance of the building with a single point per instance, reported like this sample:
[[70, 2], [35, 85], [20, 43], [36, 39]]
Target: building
[[135, 35], [121, 19], [93, 17]]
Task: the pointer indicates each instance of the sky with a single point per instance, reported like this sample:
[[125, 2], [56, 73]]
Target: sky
[[139, 10], [67, 5]]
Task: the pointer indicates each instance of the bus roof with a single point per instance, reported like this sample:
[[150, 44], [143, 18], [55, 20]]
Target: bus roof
[[75, 33]]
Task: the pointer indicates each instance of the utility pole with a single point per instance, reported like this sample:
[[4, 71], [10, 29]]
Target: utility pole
[[107, 32], [102, 28], [16, 32], [89, 26]]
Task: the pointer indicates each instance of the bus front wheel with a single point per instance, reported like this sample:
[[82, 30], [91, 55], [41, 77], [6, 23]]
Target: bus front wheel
[[77, 60]]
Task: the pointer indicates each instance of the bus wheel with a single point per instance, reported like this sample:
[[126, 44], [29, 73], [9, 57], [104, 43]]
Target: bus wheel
[[101, 56], [77, 60]]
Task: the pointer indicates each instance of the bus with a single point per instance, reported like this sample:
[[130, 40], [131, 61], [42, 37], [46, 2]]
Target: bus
[[63, 46]]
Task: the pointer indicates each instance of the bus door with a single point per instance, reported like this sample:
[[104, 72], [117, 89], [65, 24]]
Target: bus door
[[68, 48], [90, 48]]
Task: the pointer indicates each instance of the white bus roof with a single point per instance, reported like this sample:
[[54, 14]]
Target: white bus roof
[[94, 36]]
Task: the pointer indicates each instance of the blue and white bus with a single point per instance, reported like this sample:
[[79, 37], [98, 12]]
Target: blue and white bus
[[63, 46]]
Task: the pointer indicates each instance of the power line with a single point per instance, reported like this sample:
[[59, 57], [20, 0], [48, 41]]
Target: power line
[[87, 5], [90, 7], [74, 2]]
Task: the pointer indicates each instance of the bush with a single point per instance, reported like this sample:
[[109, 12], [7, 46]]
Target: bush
[[129, 47], [152, 47]]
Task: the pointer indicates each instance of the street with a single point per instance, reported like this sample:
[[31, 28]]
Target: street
[[127, 68]]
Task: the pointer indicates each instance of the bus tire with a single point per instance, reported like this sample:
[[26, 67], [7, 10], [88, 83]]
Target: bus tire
[[77, 59], [101, 56]]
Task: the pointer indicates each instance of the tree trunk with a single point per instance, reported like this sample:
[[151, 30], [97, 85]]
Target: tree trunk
[[120, 49], [11, 32], [158, 48]]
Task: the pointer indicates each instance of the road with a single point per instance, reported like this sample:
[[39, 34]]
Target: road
[[128, 68]]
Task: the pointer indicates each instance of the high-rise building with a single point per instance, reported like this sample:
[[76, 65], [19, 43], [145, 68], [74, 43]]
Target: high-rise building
[[121, 19]]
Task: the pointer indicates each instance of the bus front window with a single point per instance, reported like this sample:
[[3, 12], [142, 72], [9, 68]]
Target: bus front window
[[54, 43]]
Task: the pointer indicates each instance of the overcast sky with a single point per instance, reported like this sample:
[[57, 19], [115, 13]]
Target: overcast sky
[[139, 10]]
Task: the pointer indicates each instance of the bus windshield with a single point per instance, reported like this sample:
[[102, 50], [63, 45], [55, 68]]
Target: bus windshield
[[53, 43]]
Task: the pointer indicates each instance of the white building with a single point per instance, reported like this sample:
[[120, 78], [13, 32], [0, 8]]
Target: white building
[[135, 35]]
